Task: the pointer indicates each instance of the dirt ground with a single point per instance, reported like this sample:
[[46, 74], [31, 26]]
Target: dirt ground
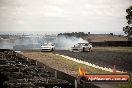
[[104, 37]]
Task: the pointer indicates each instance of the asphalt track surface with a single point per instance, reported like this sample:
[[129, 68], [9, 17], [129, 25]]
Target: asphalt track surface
[[122, 60]]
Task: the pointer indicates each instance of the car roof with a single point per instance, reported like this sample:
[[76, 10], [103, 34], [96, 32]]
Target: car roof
[[83, 43]]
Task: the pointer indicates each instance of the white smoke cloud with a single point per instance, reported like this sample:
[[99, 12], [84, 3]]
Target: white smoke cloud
[[63, 42], [6, 44], [35, 42]]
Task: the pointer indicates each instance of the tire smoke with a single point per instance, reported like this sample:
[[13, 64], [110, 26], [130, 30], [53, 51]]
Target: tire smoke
[[35, 42]]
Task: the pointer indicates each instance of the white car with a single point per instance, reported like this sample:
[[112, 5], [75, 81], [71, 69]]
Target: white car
[[82, 47], [47, 47]]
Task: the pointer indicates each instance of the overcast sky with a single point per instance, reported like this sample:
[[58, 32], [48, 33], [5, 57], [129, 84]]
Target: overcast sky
[[95, 16]]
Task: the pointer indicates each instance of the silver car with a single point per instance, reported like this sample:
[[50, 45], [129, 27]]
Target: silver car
[[47, 47], [82, 47]]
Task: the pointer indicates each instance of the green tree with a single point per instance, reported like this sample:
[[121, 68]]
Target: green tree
[[128, 29]]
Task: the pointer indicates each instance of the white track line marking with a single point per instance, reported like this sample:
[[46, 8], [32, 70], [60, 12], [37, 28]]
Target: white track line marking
[[90, 64]]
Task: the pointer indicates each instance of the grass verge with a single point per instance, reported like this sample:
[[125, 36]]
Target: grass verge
[[117, 49]]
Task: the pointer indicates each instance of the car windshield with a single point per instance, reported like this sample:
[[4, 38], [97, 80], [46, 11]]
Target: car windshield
[[81, 44], [77, 45], [47, 44]]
